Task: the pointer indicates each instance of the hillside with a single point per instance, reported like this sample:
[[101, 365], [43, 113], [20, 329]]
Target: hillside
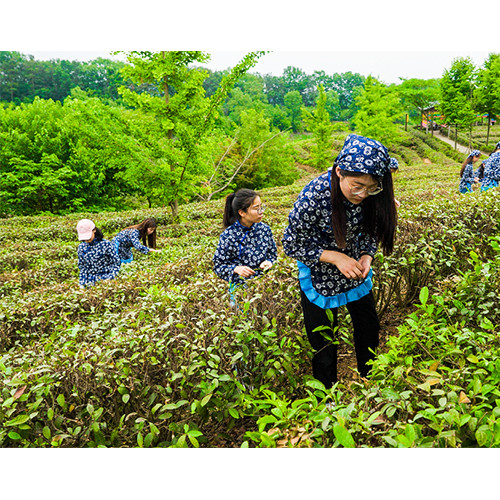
[[156, 358]]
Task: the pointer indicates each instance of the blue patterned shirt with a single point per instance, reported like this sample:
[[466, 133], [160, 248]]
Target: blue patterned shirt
[[97, 261], [467, 178], [126, 240], [310, 232], [243, 246], [491, 169]]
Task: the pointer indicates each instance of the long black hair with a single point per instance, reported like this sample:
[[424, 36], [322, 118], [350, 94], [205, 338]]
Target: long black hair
[[143, 231], [379, 211], [241, 200], [466, 162]]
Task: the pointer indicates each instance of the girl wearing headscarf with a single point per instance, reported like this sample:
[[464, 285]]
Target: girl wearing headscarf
[[246, 247], [97, 258], [334, 228], [491, 176], [131, 236], [467, 175]]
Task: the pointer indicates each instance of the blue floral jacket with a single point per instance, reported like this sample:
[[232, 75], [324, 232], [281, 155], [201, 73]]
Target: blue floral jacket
[[310, 232], [467, 179], [97, 260], [243, 246], [126, 240], [491, 169]]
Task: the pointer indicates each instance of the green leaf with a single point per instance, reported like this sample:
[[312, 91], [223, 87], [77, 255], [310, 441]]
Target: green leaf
[[343, 436], [234, 413], [20, 419], [126, 398], [60, 399], [206, 399], [424, 295], [46, 433], [14, 435]]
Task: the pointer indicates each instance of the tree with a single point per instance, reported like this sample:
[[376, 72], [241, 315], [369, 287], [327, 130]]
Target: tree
[[379, 109], [176, 98], [457, 94], [418, 94], [318, 122], [488, 89], [293, 104], [62, 157]]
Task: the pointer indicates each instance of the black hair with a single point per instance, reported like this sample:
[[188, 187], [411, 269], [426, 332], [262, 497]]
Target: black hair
[[466, 162], [143, 231], [379, 211], [98, 234], [241, 200]]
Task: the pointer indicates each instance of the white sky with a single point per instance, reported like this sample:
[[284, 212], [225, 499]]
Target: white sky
[[386, 66]]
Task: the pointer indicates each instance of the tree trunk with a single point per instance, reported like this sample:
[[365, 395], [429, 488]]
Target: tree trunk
[[174, 206], [456, 134], [488, 132]]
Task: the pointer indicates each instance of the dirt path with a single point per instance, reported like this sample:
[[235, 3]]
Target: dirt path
[[460, 147]]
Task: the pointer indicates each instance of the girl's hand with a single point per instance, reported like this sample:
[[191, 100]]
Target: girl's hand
[[266, 265], [348, 266], [244, 271], [366, 262]]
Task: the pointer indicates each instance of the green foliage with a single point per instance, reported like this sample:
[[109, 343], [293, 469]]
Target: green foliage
[[22, 78], [379, 109], [318, 122], [293, 104], [56, 158], [157, 358], [184, 116], [456, 93]]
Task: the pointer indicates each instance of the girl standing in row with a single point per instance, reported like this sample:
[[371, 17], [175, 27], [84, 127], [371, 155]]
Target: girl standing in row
[[246, 247], [334, 228]]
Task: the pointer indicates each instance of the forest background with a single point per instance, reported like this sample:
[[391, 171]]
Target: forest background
[[159, 129]]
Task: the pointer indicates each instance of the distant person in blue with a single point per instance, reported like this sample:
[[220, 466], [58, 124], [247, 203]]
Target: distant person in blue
[[333, 231], [97, 258], [246, 247], [131, 237], [491, 170], [467, 175]]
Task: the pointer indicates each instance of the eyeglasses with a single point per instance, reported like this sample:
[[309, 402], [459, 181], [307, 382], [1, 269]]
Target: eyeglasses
[[259, 209], [358, 190]]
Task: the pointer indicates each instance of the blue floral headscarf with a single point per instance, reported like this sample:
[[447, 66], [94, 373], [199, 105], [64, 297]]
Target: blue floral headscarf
[[475, 152], [498, 145], [361, 154], [394, 165]]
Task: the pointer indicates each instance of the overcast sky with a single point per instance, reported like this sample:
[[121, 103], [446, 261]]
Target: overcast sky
[[389, 67]]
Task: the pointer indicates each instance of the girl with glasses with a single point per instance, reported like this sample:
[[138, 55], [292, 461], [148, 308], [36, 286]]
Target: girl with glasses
[[246, 247], [334, 229]]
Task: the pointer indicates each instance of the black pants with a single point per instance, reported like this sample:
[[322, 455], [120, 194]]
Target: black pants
[[366, 327]]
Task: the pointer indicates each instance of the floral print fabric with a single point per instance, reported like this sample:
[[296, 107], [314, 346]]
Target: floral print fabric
[[243, 246], [97, 261], [126, 240], [491, 171], [361, 154], [310, 232]]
